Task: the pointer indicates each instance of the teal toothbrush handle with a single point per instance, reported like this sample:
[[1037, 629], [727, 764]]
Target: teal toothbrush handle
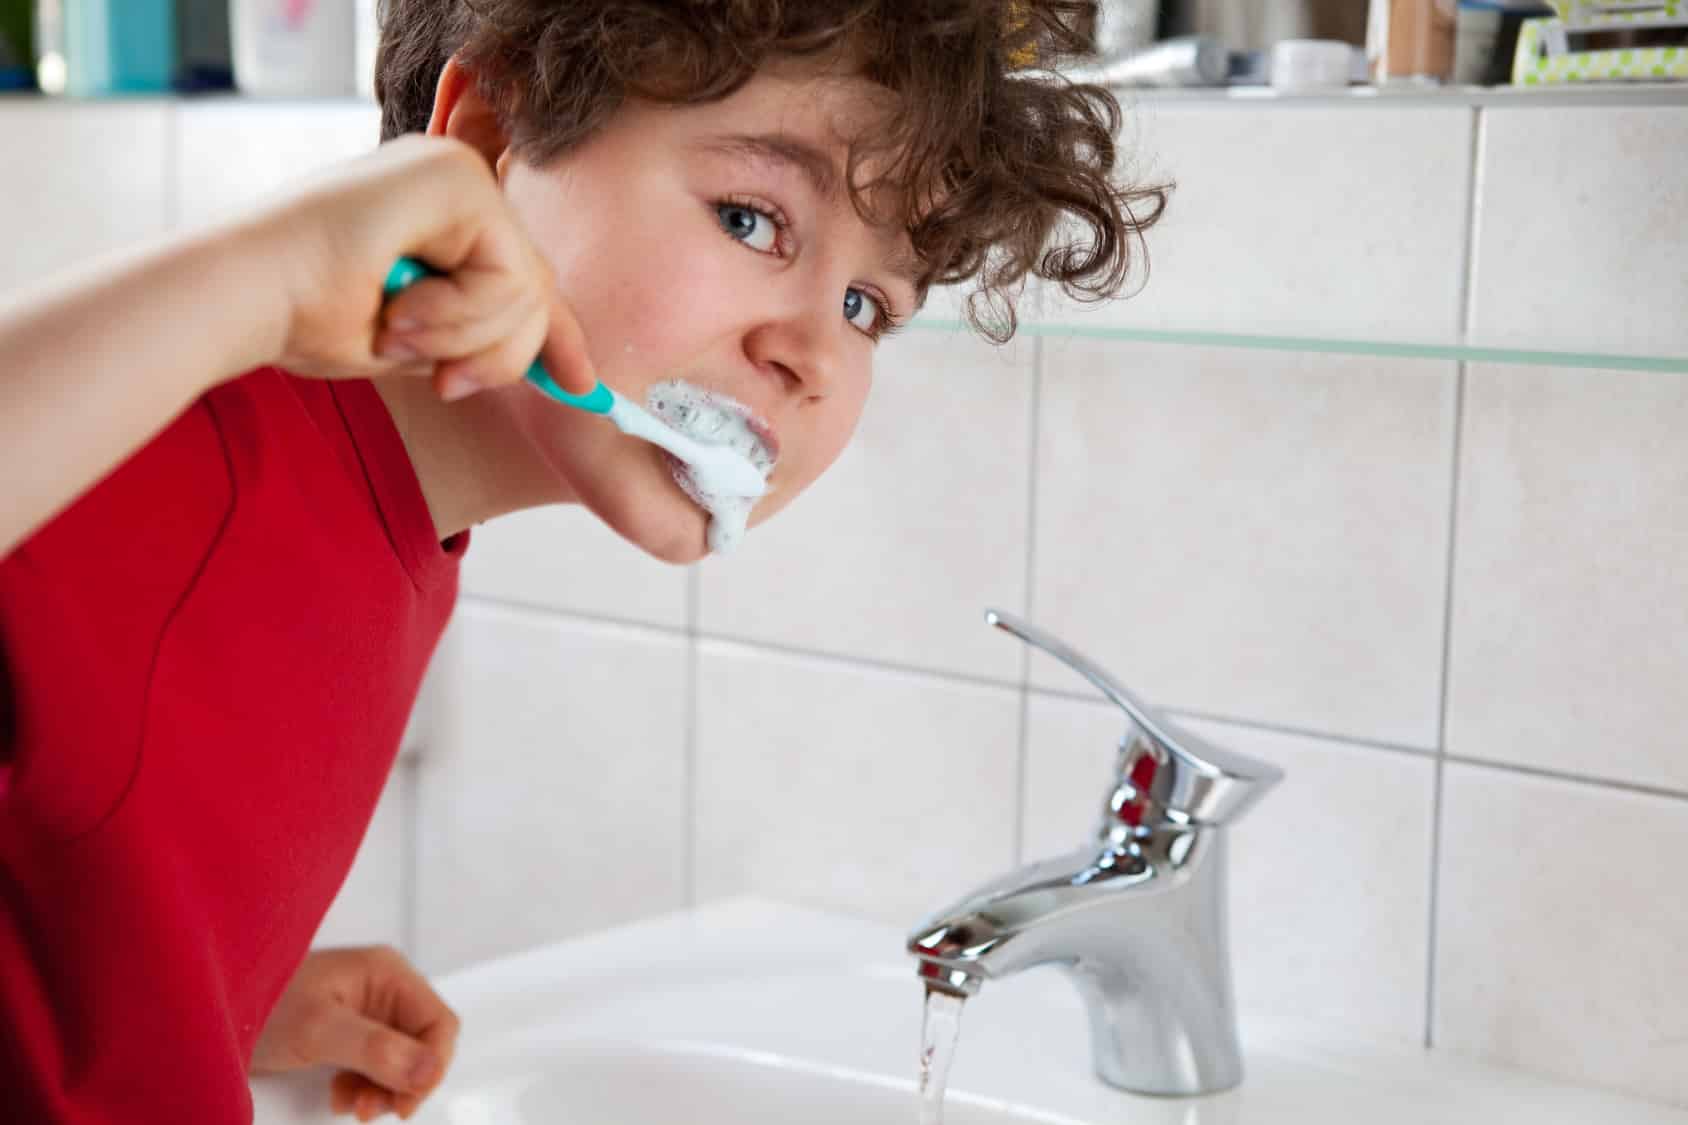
[[599, 400]]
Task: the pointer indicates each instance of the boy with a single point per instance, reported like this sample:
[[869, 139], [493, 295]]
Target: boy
[[218, 591]]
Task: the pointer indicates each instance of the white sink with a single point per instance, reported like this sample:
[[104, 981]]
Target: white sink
[[752, 1013]]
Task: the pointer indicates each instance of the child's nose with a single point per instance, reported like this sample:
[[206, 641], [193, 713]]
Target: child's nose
[[804, 347]]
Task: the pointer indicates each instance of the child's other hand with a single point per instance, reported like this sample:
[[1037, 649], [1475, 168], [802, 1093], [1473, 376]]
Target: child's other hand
[[478, 327], [370, 1013]]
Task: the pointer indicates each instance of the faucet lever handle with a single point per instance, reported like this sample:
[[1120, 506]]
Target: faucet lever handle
[[1192, 779]]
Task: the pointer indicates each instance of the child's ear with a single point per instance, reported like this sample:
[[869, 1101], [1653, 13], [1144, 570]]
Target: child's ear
[[460, 112]]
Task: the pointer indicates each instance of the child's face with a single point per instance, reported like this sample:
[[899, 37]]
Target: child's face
[[714, 244]]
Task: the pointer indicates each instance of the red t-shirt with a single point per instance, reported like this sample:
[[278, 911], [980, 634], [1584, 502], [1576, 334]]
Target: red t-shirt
[[206, 664]]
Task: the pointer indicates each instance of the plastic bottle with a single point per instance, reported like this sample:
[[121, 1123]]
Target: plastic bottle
[[368, 39], [294, 48], [96, 48], [17, 53], [204, 54]]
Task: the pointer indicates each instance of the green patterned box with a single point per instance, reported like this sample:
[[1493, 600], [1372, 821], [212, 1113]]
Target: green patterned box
[[1550, 51]]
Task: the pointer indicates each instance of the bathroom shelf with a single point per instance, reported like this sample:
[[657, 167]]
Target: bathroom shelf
[[1462, 353], [1510, 97], [1611, 94]]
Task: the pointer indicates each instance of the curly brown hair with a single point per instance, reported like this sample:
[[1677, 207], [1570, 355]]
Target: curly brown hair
[[997, 172]]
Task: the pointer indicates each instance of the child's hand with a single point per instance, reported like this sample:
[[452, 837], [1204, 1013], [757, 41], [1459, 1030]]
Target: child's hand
[[370, 1013], [478, 327]]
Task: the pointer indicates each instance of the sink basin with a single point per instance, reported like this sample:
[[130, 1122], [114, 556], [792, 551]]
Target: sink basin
[[756, 1013], [645, 1085]]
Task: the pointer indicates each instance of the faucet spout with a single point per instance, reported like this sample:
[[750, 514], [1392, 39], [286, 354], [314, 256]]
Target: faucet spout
[[1136, 916], [1139, 927]]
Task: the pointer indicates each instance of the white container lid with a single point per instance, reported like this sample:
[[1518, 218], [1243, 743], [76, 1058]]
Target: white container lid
[[1311, 64]]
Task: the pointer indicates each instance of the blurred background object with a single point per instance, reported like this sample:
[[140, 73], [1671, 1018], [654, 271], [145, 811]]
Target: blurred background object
[[1411, 41], [100, 48], [17, 45], [205, 57], [1126, 25], [1395, 42], [1256, 25], [1583, 41], [294, 48]]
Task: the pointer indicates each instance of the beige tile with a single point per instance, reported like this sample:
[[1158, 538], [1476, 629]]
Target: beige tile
[[895, 553], [232, 153], [93, 181], [554, 800], [1253, 535], [1070, 747], [1562, 928], [1299, 220], [562, 557], [880, 794], [1330, 873], [370, 908], [1579, 240], [1570, 625]]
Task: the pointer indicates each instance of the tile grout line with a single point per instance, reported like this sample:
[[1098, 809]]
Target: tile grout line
[[694, 583], [410, 855], [1356, 742], [1616, 785], [776, 648], [1436, 786], [1467, 294], [1022, 749], [1266, 727], [553, 613]]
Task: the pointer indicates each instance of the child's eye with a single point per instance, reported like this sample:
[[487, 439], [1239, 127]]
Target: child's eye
[[868, 313], [755, 228], [861, 310]]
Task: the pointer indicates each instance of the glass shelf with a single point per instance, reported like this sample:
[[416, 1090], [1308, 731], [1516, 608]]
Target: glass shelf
[[1463, 353]]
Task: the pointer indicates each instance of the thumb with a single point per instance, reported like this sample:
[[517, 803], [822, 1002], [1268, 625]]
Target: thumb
[[380, 1053], [564, 353]]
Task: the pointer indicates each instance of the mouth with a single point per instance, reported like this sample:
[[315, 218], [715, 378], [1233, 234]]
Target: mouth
[[713, 418]]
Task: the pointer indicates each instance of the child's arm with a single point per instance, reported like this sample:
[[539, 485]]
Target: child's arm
[[94, 365]]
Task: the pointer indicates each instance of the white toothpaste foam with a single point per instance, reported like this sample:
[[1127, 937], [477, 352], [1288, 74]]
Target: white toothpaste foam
[[712, 419]]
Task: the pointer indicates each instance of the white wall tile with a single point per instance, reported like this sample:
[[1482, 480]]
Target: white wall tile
[[1569, 645], [881, 794], [231, 153], [1331, 221], [1330, 873], [1563, 921], [562, 557], [1580, 236], [553, 802], [1253, 535], [370, 908], [87, 179], [895, 553]]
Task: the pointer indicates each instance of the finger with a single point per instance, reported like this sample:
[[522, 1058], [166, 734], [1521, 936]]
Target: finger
[[354, 1094], [414, 1007], [505, 362], [384, 1055], [455, 315], [442, 342]]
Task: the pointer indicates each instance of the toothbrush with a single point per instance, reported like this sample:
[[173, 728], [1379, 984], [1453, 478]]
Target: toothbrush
[[716, 469]]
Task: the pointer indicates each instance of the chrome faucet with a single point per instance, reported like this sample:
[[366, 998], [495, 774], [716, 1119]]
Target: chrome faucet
[[1136, 916]]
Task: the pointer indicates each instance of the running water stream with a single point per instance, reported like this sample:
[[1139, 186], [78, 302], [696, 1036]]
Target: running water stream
[[937, 1050]]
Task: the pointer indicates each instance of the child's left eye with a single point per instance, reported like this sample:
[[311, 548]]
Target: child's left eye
[[755, 228], [863, 311]]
